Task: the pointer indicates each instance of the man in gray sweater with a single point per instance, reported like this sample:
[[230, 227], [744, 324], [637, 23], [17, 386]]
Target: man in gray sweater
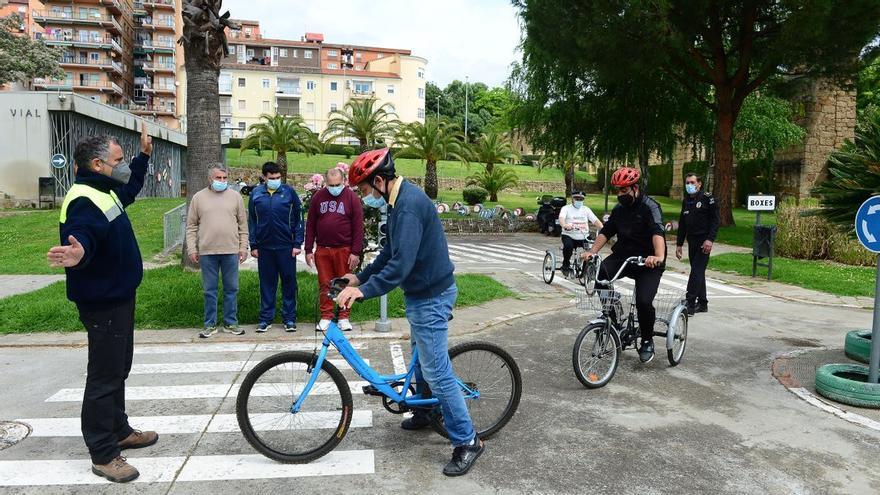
[[217, 239]]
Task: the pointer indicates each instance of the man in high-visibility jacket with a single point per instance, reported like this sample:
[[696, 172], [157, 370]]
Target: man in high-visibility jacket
[[101, 258]]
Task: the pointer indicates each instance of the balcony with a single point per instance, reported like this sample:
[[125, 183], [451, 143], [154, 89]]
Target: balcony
[[288, 92], [146, 109], [168, 89], [67, 18], [159, 4], [159, 67], [363, 94], [138, 9], [157, 46], [165, 24], [103, 63], [78, 84], [53, 84], [113, 6], [225, 109], [81, 41], [225, 89]]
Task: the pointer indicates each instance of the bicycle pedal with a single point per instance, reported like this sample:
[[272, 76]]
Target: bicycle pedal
[[371, 390]]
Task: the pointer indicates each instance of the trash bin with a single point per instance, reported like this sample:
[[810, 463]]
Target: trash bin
[[765, 239]]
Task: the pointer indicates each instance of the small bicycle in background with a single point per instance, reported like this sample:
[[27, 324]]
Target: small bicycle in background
[[582, 271], [598, 346], [295, 407]]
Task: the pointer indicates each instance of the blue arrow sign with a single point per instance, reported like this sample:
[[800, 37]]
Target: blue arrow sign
[[868, 224], [58, 160]]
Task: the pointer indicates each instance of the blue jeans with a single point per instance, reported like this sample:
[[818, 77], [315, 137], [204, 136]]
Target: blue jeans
[[429, 328], [211, 265], [270, 264]]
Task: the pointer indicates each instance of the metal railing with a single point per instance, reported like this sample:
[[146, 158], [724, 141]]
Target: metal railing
[[174, 227]]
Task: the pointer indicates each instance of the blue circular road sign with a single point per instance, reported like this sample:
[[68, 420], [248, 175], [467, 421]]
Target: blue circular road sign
[[868, 224], [59, 160]]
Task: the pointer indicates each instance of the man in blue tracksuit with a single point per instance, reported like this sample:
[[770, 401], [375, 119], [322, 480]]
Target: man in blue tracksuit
[[276, 235], [416, 259]]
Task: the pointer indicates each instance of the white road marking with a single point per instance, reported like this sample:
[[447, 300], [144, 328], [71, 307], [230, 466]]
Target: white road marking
[[210, 367], [78, 472], [176, 392], [229, 347], [489, 255], [397, 358], [506, 250], [711, 284]]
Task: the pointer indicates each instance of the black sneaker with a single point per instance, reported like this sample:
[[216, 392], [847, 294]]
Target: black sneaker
[[646, 351], [691, 308], [463, 458], [702, 308], [417, 422]]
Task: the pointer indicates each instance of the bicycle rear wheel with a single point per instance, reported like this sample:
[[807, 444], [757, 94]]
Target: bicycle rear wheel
[[267, 394], [596, 355], [489, 369], [548, 269], [679, 328]]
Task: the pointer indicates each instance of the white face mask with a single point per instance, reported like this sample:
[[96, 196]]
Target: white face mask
[[690, 188]]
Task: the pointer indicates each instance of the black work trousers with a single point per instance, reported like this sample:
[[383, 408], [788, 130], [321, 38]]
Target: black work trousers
[[647, 282], [696, 288], [568, 245], [111, 345]]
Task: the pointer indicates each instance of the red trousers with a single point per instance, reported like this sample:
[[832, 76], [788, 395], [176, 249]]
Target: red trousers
[[331, 263]]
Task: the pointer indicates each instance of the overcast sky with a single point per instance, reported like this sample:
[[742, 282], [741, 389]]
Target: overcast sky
[[476, 38]]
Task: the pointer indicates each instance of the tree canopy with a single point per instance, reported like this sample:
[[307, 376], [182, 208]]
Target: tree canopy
[[23, 58]]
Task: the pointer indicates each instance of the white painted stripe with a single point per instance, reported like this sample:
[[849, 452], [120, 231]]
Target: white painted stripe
[[496, 248], [527, 248], [228, 423], [711, 284], [251, 467], [397, 358], [672, 283], [197, 468], [229, 347], [464, 254], [840, 413], [211, 366], [486, 255], [78, 472], [174, 392], [221, 423]]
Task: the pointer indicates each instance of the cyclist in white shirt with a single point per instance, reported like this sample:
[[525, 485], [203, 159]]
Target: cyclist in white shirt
[[575, 220]]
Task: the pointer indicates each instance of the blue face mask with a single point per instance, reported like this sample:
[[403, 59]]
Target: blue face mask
[[273, 184], [690, 188], [219, 186], [373, 201], [337, 190], [577, 204]]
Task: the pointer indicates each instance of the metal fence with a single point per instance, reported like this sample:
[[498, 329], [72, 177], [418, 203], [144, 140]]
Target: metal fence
[[174, 223]]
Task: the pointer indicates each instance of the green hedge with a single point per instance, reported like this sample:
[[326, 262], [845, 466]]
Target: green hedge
[[659, 180], [699, 167]]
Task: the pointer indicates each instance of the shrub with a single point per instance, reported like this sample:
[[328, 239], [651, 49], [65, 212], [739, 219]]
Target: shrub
[[474, 195], [494, 181], [347, 151], [659, 179], [808, 236]]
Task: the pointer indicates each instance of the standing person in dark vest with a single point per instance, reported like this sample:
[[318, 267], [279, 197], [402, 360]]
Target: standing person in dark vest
[[698, 224], [102, 261]]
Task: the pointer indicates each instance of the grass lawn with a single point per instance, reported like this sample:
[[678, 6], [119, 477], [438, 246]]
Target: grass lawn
[[832, 278], [171, 298], [407, 167], [25, 237]]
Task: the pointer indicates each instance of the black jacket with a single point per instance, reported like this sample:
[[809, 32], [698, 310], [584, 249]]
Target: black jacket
[[699, 218], [635, 227]]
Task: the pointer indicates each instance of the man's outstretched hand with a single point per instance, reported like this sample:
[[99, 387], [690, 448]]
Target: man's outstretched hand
[[66, 256]]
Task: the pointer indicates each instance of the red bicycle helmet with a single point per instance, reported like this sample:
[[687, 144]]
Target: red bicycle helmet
[[624, 177], [368, 164]]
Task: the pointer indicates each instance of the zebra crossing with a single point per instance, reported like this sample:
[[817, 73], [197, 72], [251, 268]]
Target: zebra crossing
[[494, 253], [187, 393]]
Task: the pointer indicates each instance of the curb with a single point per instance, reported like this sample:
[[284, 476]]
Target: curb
[[793, 386]]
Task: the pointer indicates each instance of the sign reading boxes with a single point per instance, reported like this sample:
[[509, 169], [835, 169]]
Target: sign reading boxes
[[761, 203]]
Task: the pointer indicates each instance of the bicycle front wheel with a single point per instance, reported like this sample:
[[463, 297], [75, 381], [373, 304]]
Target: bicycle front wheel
[[491, 371], [548, 268], [596, 355], [591, 272], [679, 330], [265, 399]]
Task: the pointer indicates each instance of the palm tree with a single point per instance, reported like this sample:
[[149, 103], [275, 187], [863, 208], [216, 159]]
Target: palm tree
[[432, 141], [567, 161], [492, 148], [281, 133], [853, 176], [204, 46], [494, 180], [361, 119]]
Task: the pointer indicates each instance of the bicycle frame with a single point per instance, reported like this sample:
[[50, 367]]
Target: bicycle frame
[[334, 335]]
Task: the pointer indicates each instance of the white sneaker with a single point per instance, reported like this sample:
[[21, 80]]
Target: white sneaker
[[323, 325], [345, 325]]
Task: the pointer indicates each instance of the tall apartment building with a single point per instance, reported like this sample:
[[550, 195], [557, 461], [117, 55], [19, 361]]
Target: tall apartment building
[[118, 52], [311, 78]]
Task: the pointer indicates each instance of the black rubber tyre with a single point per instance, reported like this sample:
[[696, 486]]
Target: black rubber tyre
[[548, 269], [680, 327], [591, 272], [857, 345], [608, 341], [847, 384], [298, 362], [496, 406]]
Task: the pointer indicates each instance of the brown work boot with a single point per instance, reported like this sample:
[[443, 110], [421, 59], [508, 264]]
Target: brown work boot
[[138, 440], [117, 470]]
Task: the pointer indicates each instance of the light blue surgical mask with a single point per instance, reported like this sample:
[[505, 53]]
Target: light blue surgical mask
[[273, 184], [373, 201], [219, 186], [577, 204], [690, 188], [336, 190]]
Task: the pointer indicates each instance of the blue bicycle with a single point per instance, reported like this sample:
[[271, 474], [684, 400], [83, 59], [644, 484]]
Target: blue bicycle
[[295, 407]]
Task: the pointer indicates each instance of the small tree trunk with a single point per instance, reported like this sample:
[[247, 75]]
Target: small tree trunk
[[493, 196], [490, 167], [568, 168], [431, 179], [723, 190], [281, 160]]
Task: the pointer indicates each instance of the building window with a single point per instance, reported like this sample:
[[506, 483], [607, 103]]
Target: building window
[[310, 107], [248, 31], [363, 88], [421, 73], [307, 54], [295, 53], [390, 88], [283, 52], [232, 49], [266, 84], [310, 85], [241, 127], [334, 85], [240, 82], [332, 53], [333, 107], [358, 56], [267, 52], [380, 55], [421, 93], [421, 113], [332, 66], [250, 53], [288, 106], [225, 83], [265, 106], [242, 105]]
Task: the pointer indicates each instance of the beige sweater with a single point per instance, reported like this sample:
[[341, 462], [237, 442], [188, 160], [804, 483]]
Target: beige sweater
[[216, 223]]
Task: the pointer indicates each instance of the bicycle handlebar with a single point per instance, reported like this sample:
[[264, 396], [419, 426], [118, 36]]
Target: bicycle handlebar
[[632, 260]]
